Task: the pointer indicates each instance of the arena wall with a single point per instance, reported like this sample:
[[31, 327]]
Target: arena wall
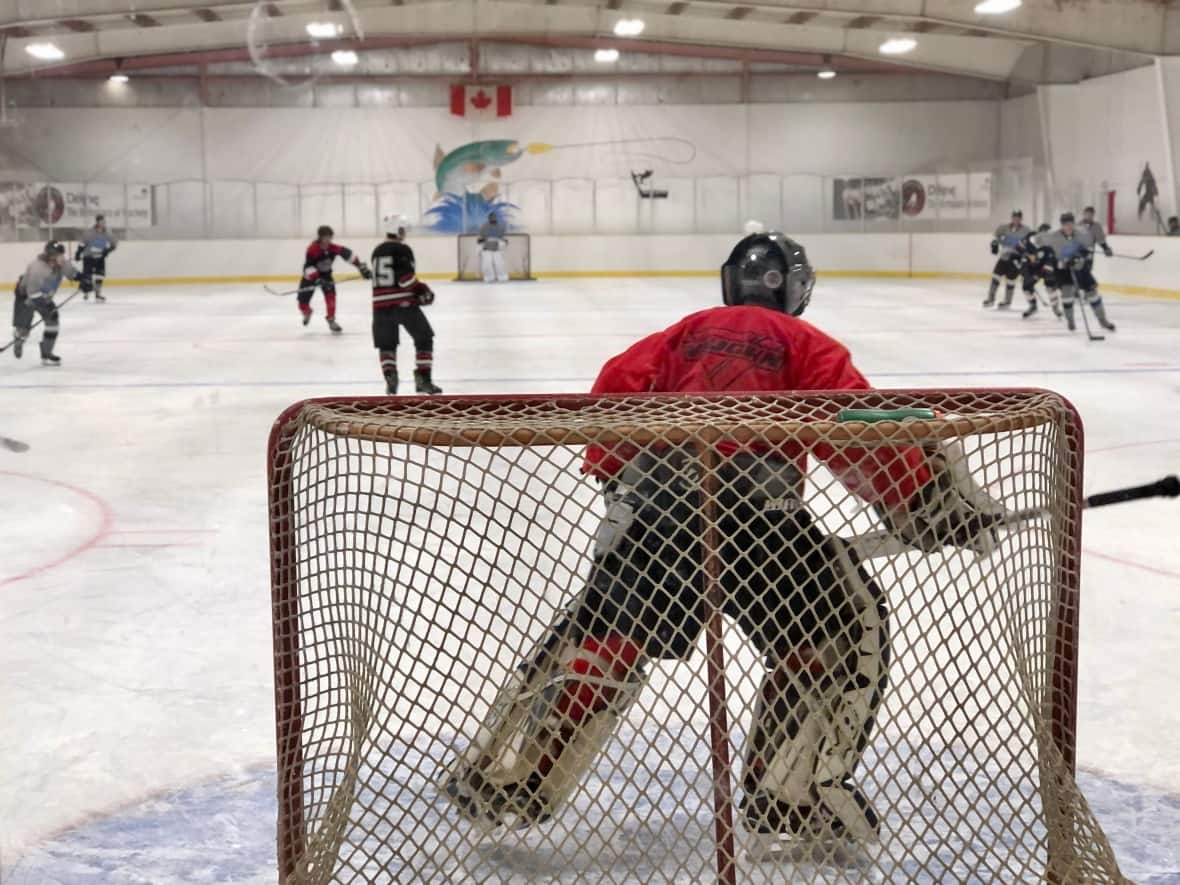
[[948, 256]]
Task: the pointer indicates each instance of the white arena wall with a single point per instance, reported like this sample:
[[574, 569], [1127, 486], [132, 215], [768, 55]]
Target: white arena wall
[[950, 256]]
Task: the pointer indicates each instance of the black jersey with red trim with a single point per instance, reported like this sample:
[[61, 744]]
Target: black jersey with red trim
[[317, 262], [395, 279]]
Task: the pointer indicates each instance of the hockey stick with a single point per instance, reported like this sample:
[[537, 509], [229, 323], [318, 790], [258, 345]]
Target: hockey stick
[[37, 322], [1082, 307], [882, 542], [1143, 257], [13, 445], [297, 290]]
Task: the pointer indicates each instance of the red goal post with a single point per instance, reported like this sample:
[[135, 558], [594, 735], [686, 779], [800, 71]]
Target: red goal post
[[517, 255], [420, 545]]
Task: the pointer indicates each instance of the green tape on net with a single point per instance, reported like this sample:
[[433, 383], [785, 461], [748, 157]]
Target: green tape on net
[[871, 416]]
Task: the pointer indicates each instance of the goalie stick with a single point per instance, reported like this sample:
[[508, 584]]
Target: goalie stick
[[874, 544]]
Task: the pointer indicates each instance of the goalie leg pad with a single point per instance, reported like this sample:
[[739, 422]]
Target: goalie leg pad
[[545, 731], [815, 714]]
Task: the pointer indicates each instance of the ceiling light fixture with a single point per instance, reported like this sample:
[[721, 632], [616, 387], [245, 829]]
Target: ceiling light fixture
[[996, 7], [897, 46], [606, 56], [45, 51], [324, 30], [827, 72], [118, 78], [346, 58], [629, 27]]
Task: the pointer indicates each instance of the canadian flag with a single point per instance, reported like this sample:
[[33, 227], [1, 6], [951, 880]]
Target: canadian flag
[[481, 102]]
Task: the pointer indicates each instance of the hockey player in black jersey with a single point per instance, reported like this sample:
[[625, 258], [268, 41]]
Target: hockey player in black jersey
[[398, 296], [1039, 263]]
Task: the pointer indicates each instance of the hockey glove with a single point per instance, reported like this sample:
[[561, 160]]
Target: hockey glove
[[78, 252], [425, 294], [1106, 250], [941, 514], [365, 271], [108, 250], [995, 248]]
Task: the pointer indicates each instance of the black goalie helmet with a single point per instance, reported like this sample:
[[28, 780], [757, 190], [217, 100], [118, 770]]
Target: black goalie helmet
[[768, 270]]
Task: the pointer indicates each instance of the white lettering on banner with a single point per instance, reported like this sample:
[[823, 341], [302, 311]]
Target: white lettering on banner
[[64, 204], [951, 196]]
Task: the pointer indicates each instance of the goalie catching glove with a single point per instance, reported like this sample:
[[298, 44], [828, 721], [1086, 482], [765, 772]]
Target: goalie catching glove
[[949, 511]]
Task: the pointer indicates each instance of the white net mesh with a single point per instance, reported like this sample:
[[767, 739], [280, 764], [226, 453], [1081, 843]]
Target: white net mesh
[[424, 551], [515, 251]]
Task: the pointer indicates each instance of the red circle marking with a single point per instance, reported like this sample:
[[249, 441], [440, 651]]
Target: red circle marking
[[106, 519]]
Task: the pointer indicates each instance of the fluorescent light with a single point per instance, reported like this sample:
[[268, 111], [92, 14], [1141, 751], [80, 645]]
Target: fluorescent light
[[346, 58], [897, 46], [629, 27], [606, 56], [996, 7], [324, 30], [826, 73], [45, 51], [118, 78]]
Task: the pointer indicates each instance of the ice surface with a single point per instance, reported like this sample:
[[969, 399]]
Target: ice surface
[[137, 711]]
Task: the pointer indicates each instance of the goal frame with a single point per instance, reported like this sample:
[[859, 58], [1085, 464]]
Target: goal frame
[[1062, 691], [464, 273]]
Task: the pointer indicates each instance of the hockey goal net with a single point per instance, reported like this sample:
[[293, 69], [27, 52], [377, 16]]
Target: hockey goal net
[[422, 550], [515, 251]]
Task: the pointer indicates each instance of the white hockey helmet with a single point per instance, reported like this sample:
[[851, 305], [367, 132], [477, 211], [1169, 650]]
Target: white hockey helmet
[[753, 226], [396, 225]]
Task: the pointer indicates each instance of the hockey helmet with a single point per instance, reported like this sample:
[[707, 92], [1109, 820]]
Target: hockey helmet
[[1067, 218], [324, 231], [1017, 213], [768, 270], [396, 225], [1043, 228], [54, 247]]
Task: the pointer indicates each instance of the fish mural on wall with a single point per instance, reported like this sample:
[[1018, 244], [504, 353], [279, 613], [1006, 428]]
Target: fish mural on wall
[[468, 179]]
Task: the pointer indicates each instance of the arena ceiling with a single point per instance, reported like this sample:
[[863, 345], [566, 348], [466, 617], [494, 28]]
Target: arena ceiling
[[1044, 41]]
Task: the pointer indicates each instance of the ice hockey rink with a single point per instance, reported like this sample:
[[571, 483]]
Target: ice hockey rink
[[135, 634]]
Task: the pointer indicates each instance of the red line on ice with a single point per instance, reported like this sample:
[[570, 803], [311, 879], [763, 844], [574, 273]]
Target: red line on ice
[[106, 518]]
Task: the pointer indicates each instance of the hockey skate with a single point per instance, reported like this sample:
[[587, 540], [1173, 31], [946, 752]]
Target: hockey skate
[[391, 383], [1032, 308], [334, 326], [423, 384], [50, 359], [767, 815], [516, 806], [98, 296], [804, 833], [18, 347], [307, 318]]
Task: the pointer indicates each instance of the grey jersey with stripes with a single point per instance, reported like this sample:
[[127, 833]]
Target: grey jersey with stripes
[[1009, 238], [97, 243], [1093, 232], [41, 280]]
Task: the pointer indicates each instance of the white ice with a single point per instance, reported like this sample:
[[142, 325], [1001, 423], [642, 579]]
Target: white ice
[[136, 707]]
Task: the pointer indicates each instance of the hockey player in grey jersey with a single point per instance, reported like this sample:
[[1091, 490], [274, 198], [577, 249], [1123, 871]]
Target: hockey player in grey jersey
[[34, 294], [1007, 244], [1094, 230], [92, 251], [1074, 251]]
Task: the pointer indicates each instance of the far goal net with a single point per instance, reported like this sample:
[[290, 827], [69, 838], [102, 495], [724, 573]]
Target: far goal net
[[432, 560], [514, 249]]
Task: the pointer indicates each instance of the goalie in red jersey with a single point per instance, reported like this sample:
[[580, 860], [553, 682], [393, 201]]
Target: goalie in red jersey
[[814, 614]]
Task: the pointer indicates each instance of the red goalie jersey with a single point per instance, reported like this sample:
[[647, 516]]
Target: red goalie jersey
[[756, 350]]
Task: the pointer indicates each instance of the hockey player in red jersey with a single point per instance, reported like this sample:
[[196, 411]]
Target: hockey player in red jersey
[[317, 272], [800, 595]]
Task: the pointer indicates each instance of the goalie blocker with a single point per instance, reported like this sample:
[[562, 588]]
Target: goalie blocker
[[813, 613]]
